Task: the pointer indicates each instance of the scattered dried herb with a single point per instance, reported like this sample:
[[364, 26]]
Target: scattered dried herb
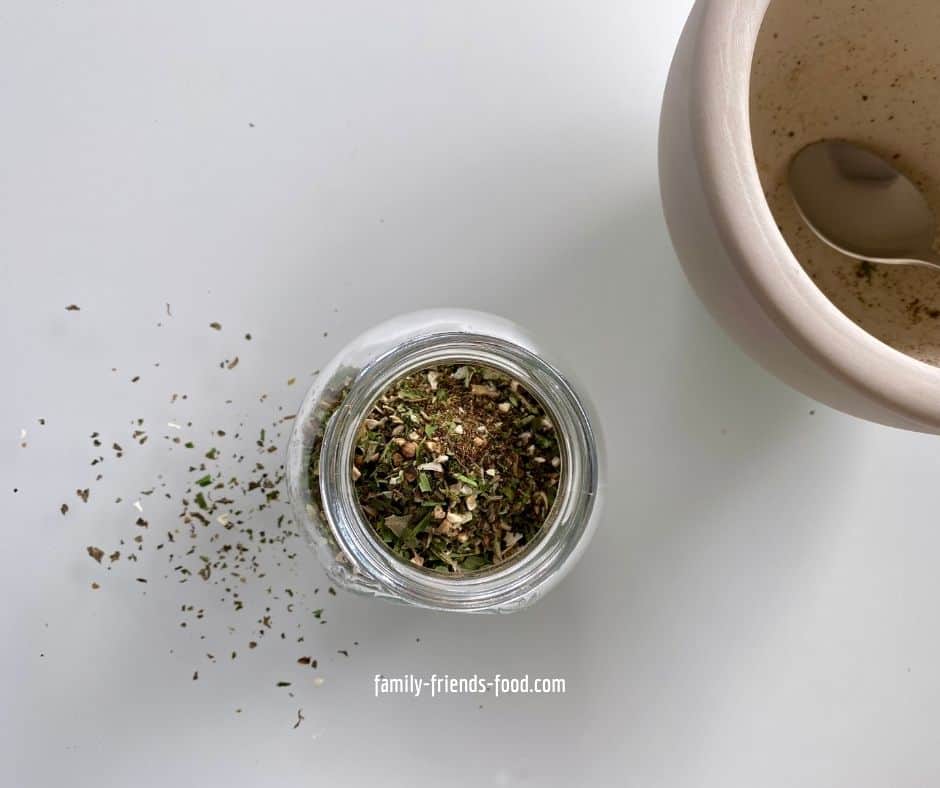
[[73, 308], [217, 534], [456, 468]]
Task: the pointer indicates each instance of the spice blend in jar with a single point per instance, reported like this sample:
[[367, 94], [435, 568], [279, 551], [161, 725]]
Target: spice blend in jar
[[456, 468], [441, 460]]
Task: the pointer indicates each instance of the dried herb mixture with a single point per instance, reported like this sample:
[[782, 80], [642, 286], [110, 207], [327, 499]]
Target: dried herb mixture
[[456, 468]]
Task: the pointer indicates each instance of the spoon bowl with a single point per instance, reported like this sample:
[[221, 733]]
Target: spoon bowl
[[859, 204]]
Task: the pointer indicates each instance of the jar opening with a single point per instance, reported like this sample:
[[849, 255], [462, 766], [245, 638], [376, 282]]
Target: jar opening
[[559, 535], [456, 468]]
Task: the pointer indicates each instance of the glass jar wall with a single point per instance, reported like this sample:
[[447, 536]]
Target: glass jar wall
[[323, 441]]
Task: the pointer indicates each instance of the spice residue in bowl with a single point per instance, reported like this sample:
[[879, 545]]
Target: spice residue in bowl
[[867, 72]]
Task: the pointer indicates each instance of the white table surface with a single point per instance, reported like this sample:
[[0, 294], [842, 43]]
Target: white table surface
[[758, 607]]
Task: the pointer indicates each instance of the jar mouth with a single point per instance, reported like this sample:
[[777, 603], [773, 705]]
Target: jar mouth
[[560, 536]]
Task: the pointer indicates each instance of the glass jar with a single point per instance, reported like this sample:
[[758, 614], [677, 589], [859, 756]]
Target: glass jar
[[324, 439]]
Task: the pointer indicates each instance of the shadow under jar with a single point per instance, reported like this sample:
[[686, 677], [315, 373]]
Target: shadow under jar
[[322, 445]]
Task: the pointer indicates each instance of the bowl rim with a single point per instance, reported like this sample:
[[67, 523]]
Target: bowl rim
[[720, 117]]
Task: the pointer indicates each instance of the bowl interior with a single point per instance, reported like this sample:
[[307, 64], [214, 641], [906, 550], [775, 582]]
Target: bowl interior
[[866, 71]]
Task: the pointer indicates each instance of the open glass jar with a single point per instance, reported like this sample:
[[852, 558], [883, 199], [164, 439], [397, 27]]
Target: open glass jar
[[322, 444]]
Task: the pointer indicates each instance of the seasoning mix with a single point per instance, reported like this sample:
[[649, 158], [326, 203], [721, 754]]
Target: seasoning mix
[[456, 468], [442, 460]]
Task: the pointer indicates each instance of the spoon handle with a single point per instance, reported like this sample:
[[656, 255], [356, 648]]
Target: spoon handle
[[932, 262], [926, 262]]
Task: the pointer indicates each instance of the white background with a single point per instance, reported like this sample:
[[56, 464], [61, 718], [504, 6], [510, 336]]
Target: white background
[[758, 607]]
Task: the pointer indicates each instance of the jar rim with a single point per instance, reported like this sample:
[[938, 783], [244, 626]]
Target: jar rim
[[561, 536]]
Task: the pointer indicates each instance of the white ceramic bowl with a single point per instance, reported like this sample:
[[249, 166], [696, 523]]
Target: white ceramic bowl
[[734, 255]]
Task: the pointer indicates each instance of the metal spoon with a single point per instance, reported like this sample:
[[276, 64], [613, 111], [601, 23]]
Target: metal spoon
[[860, 205]]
